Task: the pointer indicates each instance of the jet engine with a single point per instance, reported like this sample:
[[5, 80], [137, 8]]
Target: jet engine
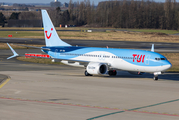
[[97, 68]]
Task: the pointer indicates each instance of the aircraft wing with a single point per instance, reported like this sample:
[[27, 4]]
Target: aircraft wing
[[32, 47]]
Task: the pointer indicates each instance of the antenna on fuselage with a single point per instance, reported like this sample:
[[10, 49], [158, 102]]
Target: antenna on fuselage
[[152, 49]]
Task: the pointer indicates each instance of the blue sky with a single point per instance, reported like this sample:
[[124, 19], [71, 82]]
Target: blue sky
[[62, 1]]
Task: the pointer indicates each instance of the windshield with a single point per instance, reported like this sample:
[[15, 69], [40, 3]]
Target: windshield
[[160, 59]]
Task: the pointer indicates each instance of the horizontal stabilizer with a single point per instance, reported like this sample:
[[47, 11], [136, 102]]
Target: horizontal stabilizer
[[13, 51]]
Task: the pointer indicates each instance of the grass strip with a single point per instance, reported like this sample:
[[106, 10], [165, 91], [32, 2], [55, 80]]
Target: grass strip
[[155, 31], [38, 60], [154, 36], [173, 58]]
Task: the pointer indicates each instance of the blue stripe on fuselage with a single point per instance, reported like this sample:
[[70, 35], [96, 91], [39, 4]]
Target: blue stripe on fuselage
[[142, 57]]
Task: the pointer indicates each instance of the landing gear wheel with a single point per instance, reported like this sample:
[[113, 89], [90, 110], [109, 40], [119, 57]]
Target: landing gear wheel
[[112, 73], [155, 78], [87, 74]]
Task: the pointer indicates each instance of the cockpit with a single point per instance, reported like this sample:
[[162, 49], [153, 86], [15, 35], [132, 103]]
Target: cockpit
[[158, 59]]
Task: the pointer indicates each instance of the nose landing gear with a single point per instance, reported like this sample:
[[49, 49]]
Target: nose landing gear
[[155, 78], [156, 75]]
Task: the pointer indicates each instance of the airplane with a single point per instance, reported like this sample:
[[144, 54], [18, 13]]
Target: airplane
[[99, 61]]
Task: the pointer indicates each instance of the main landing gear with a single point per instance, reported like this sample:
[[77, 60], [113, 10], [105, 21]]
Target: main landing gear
[[87, 74], [112, 72]]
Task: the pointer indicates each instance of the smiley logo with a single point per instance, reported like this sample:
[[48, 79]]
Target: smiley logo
[[48, 37]]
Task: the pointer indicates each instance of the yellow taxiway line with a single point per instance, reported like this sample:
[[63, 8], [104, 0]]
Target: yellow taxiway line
[[5, 81]]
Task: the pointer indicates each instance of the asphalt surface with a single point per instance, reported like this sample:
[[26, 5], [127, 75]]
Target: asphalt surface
[[34, 30], [3, 78], [159, 46], [43, 92]]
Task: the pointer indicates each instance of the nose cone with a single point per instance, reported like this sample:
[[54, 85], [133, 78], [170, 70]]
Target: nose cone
[[169, 66], [166, 66]]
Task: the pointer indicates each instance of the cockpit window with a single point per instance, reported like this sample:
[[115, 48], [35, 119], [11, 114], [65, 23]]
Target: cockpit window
[[163, 58], [160, 59]]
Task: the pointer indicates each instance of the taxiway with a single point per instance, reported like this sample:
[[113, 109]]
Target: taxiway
[[43, 92], [159, 46]]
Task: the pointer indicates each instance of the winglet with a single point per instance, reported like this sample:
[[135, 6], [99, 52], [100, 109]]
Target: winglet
[[152, 49], [14, 52]]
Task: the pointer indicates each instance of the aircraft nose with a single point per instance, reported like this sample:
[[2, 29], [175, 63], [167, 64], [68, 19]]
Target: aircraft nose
[[169, 66]]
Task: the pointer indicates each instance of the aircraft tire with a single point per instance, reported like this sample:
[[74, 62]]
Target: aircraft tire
[[155, 78], [112, 73], [87, 74]]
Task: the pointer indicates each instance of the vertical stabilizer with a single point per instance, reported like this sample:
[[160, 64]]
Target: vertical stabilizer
[[51, 36]]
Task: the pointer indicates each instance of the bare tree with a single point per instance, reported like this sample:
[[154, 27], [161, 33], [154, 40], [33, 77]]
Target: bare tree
[[126, 14]]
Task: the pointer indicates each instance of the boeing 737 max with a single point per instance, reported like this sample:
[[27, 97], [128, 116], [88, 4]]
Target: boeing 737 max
[[100, 61]]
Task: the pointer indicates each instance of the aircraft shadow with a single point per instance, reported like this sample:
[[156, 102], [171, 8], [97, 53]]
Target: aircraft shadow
[[166, 76]]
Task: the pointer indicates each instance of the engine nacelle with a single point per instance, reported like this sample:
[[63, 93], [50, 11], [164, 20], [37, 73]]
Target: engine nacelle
[[97, 68], [136, 73]]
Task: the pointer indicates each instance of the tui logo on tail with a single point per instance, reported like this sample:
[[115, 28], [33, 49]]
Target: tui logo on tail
[[48, 37]]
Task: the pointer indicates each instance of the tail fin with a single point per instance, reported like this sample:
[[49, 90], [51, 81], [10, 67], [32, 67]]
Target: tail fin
[[51, 36]]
